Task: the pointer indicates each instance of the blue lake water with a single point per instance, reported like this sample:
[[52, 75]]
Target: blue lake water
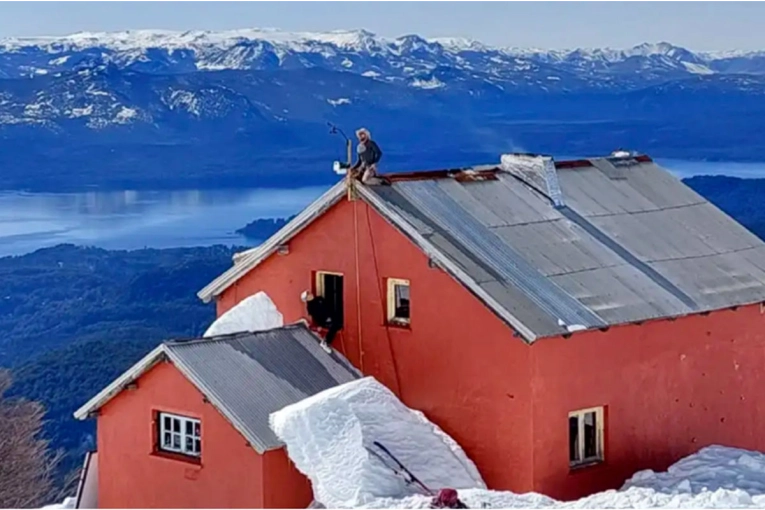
[[166, 219]]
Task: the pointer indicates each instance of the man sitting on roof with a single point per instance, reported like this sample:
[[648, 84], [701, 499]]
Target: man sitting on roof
[[369, 155], [321, 317]]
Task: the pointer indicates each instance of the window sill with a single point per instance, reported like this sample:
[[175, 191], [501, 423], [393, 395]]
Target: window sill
[[585, 464], [405, 326], [188, 459]]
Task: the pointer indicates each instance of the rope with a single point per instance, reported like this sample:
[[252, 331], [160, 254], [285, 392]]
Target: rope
[[358, 284], [382, 303]]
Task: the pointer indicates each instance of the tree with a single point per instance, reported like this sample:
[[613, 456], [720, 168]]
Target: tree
[[27, 467]]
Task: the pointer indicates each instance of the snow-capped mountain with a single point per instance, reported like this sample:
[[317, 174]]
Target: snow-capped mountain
[[254, 95], [356, 51]]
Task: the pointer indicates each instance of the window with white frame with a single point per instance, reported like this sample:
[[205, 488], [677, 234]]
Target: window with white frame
[[585, 433], [398, 301], [180, 434]]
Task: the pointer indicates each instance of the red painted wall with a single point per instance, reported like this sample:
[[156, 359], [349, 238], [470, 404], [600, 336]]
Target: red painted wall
[[669, 387], [284, 486], [129, 476], [458, 363]]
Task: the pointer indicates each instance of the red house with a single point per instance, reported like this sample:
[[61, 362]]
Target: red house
[[187, 426], [568, 323]]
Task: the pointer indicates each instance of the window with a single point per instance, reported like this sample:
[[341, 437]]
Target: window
[[179, 434], [330, 287], [398, 301], [585, 433]]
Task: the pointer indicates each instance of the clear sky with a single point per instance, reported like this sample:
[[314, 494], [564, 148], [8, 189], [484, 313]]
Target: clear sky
[[695, 25]]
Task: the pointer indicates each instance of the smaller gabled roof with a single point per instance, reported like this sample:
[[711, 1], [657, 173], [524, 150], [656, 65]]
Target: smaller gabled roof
[[245, 376]]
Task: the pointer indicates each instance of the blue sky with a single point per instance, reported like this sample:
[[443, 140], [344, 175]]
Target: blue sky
[[695, 25]]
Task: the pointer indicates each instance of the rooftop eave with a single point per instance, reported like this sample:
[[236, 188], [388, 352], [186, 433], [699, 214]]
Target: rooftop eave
[[247, 260]]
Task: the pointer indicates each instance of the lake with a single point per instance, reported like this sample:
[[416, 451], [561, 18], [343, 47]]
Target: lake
[[167, 219]]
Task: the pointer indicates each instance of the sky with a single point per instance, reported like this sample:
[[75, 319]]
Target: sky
[[556, 25]]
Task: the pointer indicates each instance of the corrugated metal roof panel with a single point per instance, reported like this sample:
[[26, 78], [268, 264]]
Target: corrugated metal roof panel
[[509, 266], [249, 376], [632, 243]]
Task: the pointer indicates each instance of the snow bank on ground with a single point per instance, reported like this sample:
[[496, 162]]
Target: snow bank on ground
[[67, 503], [255, 313], [714, 477], [326, 436]]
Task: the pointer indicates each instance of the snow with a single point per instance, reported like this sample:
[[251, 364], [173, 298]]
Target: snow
[[67, 503], [337, 102], [714, 477], [326, 437], [433, 83], [255, 313]]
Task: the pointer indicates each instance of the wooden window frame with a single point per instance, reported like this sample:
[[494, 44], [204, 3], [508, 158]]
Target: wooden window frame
[[600, 427], [318, 281], [178, 453], [392, 283]]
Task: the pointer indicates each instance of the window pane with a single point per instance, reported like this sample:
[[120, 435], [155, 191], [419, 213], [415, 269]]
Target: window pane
[[197, 446], [177, 441], [167, 439], [189, 444], [176, 425], [196, 429], [167, 422], [573, 439], [189, 428], [402, 301], [590, 436]]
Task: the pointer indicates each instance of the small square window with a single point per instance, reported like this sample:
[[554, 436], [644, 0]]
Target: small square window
[[398, 302], [585, 437], [179, 434]]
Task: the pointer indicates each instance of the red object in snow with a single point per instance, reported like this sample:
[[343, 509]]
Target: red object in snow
[[447, 498]]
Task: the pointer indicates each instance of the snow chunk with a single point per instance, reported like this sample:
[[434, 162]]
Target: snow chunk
[[255, 313], [347, 63], [125, 115], [337, 102], [326, 436], [370, 74], [67, 503]]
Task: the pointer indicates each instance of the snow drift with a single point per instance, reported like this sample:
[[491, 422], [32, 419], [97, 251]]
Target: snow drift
[[326, 437], [714, 477], [254, 313]]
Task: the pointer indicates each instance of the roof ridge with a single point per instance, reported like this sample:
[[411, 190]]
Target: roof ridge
[[231, 336]]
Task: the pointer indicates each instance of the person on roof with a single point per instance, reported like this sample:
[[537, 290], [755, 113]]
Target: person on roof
[[321, 317], [369, 155]]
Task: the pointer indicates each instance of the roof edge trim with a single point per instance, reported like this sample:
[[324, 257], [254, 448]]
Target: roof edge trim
[[434, 253], [248, 260], [115, 387]]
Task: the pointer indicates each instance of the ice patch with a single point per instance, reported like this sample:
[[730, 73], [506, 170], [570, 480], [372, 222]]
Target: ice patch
[[255, 313], [326, 436]]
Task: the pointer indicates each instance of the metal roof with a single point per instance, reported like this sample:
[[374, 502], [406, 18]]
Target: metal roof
[[247, 376], [624, 242]]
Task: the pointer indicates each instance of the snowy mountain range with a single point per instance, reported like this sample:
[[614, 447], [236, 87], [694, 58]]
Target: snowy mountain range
[[257, 95]]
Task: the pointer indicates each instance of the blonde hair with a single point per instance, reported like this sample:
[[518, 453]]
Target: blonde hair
[[365, 131]]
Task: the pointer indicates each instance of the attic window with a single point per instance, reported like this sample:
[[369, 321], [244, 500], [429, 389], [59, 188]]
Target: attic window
[[179, 435], [398, 302], [585, 433]]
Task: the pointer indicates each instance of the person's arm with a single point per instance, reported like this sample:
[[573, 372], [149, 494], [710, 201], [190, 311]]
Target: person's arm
[[376, 152]]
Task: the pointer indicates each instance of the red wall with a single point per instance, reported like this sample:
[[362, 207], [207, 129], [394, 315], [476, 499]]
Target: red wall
[[284, 485], [457, 363], [230, 474], [669, 387]]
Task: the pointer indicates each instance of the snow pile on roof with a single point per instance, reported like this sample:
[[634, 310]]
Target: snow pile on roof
[[327, 436], [714, 477], [255, 313]]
